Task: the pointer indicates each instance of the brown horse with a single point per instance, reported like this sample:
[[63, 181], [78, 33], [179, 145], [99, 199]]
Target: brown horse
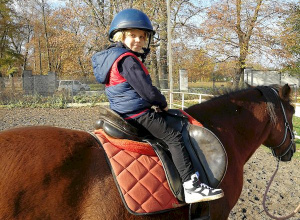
[[57, 173]]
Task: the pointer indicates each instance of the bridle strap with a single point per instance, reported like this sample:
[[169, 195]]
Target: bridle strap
[[287, 128]]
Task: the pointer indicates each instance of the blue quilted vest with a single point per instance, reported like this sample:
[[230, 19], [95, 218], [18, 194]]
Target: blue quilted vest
[[122, 97]]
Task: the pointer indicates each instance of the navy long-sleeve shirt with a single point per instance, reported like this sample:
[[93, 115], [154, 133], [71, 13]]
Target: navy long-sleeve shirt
[[132, 71]]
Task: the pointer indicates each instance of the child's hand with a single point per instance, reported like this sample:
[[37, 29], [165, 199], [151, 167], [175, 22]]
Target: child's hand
[[166, 109], [156, 108]]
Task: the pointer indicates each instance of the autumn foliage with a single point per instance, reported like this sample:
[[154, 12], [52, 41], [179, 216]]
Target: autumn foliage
[[211, 39]]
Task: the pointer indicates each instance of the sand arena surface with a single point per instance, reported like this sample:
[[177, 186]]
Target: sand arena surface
[[284, 194]]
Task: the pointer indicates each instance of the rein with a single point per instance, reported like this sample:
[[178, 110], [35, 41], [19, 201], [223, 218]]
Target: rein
[[265, 197], [292, 139]]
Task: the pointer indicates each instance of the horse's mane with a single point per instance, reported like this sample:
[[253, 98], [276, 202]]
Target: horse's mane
[[221, 95], [269, 95]]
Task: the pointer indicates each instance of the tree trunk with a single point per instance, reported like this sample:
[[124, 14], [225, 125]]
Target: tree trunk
[[84, 73], [98, 13], [101, 7], [163, 49], [111, 11], [2, 84], [26, 50], [40, 56], [244, 39], [237, 77], [46, 36], [13, 89], [154, 68]]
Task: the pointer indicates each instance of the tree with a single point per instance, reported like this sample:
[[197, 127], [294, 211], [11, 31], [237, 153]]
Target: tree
[[64, 39], [43, 6], [35, 40], [163, 37], [69, 42], [198, 65], [10, 56], [232, 33], [290, 39], [240, 31]]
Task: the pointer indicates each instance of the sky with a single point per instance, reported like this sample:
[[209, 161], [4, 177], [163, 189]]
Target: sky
[[56, 3]]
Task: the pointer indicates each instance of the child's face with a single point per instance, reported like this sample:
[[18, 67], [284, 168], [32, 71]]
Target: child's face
[[135, 39]]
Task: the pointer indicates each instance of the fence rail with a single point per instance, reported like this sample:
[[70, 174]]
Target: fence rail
[[172, 103]]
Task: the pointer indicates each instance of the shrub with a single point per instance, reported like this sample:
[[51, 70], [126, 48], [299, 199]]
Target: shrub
[[58, 100]]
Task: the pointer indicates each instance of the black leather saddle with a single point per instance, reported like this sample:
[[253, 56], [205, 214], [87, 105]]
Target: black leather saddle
[[205, 149]]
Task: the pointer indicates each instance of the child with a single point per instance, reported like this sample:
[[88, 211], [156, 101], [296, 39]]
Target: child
[[131, 94]]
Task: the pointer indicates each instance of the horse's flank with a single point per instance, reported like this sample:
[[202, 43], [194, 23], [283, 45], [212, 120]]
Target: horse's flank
[[38, 163]]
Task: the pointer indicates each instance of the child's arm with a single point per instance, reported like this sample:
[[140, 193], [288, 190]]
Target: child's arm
[[132, 71]]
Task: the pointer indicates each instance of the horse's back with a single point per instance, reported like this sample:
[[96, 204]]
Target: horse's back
[[45, 172]]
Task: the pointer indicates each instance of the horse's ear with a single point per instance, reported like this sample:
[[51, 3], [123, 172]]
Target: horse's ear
[[284, 92]]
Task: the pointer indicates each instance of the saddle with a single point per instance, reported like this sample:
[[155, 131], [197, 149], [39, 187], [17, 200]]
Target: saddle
[[207, 153]]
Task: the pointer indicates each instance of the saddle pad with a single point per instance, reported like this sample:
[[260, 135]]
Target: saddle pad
[[130, 145], [191, 119], [140, 179]]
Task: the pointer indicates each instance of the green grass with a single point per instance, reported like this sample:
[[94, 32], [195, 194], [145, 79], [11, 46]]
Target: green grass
[[208, 84], [296, 123], [97, 87]]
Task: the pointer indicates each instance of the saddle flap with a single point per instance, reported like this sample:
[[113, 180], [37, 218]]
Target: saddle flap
[[210, 151], [172, 175]]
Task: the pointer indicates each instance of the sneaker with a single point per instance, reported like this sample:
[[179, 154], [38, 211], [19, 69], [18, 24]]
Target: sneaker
[[194, 191]]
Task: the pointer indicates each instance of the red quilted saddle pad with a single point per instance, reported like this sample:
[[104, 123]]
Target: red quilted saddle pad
[[139, 175]]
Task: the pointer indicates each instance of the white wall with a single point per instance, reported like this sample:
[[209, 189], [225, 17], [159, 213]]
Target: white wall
[[257, 77]]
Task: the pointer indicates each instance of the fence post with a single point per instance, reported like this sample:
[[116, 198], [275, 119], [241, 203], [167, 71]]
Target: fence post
[[200, 98], [169, 47], [171, 99], [182, 101]]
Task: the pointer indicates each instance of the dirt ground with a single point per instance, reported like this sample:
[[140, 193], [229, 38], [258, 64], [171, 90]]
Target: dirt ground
[[284, 194]]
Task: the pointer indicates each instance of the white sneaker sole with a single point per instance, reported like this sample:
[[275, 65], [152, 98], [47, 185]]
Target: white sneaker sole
[[204, 199]]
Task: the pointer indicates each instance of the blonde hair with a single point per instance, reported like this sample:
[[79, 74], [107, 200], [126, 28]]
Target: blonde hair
[[120, 35]]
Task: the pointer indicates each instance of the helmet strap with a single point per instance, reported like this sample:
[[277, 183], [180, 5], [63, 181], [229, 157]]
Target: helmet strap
[[144, 55], [141, 55], [146, 50]]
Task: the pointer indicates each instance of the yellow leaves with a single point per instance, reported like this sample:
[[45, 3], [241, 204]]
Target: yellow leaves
[[198, 65], [67, 42]]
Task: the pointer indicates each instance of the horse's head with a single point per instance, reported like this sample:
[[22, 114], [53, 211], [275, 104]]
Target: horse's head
[[281, 138]]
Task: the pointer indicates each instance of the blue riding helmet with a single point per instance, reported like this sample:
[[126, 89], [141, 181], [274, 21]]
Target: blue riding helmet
[[130, 19]]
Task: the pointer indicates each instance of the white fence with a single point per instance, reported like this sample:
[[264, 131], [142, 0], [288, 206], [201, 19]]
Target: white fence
[[199, 98], [297, 109]]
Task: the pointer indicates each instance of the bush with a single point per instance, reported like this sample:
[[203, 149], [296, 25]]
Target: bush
[[58, 100], [81, 98], [7, 97]]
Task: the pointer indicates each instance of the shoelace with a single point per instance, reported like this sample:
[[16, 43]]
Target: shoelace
[[198, 184], [205, 186]]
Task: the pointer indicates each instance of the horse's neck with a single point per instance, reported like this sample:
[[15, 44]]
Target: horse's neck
[[240, 125]]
